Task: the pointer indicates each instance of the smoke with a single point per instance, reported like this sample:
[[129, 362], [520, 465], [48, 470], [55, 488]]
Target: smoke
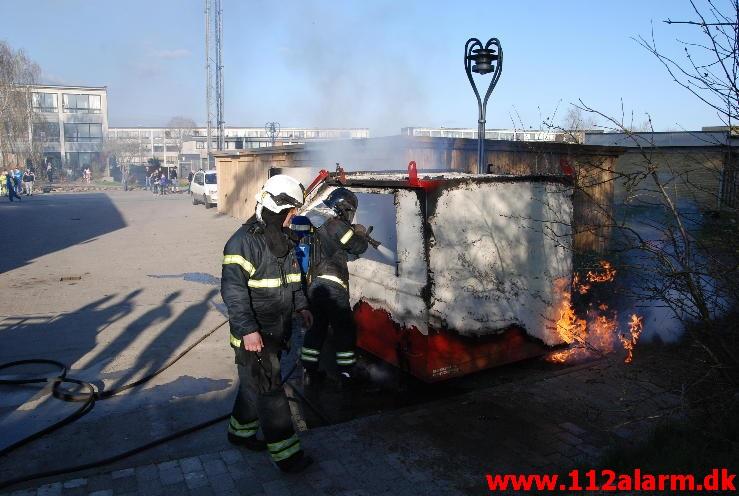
[[352, 80]]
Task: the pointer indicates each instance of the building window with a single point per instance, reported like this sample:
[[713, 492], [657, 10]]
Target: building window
[[44, 102], [76, 161], [81, 104], [200, 145], [46, 132], [83, 132]]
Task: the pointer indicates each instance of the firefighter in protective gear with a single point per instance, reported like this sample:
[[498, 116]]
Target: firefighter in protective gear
[[328, 291], [261, 286]]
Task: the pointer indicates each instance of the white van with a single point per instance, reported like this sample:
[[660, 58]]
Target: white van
[[204, 188]]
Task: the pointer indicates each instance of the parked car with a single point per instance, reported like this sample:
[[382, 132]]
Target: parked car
[[204, 188]]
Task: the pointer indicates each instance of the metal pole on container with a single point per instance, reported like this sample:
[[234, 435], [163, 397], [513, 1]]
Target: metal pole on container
[[487, 59]]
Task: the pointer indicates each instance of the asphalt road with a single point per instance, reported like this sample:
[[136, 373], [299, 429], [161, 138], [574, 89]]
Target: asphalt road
[[113, 285]]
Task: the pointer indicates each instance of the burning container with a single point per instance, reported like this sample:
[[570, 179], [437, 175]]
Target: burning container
[[477, 268]]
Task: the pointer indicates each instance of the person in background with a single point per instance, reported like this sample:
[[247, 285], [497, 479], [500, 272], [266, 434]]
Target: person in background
[[49, 171], [3, 178], [163, 184], [189, 180], [18, 180], [147, 179], [10, 186], [27, 183], [173, 180]]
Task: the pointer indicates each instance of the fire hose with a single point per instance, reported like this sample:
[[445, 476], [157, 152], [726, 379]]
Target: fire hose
[[91, 395]]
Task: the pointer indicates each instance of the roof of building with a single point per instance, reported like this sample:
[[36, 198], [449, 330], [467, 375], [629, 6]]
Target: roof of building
[[70, 87], [661, 139]]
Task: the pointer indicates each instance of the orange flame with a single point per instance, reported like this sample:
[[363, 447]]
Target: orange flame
[[598, 333], [636, 326], [607, 274]]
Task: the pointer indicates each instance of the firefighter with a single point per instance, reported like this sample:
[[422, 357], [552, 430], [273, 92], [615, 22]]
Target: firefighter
[[261, 286], [328, 292]]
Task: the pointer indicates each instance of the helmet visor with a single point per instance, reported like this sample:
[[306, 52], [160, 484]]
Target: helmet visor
[[284, 200]]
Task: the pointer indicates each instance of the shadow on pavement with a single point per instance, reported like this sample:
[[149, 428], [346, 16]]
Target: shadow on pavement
[[76, 219], [123, 421]]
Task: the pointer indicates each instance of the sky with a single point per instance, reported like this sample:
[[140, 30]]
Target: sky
[[373, 63]]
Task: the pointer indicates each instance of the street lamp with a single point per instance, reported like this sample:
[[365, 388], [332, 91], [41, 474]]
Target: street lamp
[[487, 59]]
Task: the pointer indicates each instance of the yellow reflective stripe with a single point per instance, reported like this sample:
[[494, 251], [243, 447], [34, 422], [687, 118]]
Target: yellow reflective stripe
[[239, 426], [284, 449], [273, 283], [308, 358], [346, 237], [344, 353], [334, 279], [310, 351], [235, 342], [239, 260], [350, 361]]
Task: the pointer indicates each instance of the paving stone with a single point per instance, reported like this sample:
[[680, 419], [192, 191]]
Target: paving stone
[[70, 484], [248, 487], [591, 451], [276, 488], [53, 489], [23, 492], [125, 484], [99, 482], [573, 429], [210, 456], [569, 438], [231, 456], [168, 465], [196, 479], [176, 489], [192, 464], [202, 491], [239, 472], [147, 472], [214, 467], [222, 483], [126, 472], [332, 467], [151, 488], [170, 476]]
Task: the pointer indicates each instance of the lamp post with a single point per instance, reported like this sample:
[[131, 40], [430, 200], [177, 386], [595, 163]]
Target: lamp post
[[487, 59]]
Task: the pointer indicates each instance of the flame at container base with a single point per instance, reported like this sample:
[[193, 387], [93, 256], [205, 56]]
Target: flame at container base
[[598, 334]]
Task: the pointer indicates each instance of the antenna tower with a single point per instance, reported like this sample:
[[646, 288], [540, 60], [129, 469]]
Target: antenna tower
[[214, 76]]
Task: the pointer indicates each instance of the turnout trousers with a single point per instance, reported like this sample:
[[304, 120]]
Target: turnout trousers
[[261, 403], [329, 301]]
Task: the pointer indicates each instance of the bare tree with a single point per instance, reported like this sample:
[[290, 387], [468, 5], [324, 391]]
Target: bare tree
[[669, 199], [180, 129], [17, 74], [127, 153]]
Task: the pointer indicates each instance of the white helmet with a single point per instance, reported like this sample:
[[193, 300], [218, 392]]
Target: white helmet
[[280, 192]]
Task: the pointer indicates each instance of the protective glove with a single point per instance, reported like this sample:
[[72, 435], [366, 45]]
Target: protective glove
[[360, 230]]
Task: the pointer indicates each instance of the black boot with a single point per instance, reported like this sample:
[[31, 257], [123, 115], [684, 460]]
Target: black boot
[[296, 463], [250, 443]]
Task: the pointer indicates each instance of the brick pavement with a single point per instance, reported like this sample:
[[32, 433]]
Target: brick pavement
[[547, 423]]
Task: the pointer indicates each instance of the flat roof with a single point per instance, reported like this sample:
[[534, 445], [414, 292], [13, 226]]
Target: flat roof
[[70, 87]]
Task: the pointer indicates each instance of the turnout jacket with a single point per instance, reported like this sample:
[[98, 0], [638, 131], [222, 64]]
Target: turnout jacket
[[335, 241], [260, 290]]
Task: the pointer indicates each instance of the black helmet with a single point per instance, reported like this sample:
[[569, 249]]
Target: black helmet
[[343, 202]]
